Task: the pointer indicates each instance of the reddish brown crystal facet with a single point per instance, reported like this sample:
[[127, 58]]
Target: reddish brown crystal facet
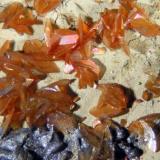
[[20, 98], [112, 102], [19, 18], [74, 47], [44, 6]]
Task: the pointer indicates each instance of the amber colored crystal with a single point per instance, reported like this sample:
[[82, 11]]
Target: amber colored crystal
[[19, 93], [44, 6], [34, 105], [74, 47], [19, 18], [148, 130], [138, 20], [114, 28], [115, 22], [37, 49], [87, 71], [6, 47], [50, 99], [71, 40], [64, 42], [60, 41], [147, 95], [152, 86], [148, 29], [112, 102], [67, 41], [86, 30], [63, 122]]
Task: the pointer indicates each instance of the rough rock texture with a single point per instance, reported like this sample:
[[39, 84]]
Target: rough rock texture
[[42, 144], [47, 143]]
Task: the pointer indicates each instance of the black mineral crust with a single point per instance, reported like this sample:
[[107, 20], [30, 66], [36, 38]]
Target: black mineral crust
[[47, 143]]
